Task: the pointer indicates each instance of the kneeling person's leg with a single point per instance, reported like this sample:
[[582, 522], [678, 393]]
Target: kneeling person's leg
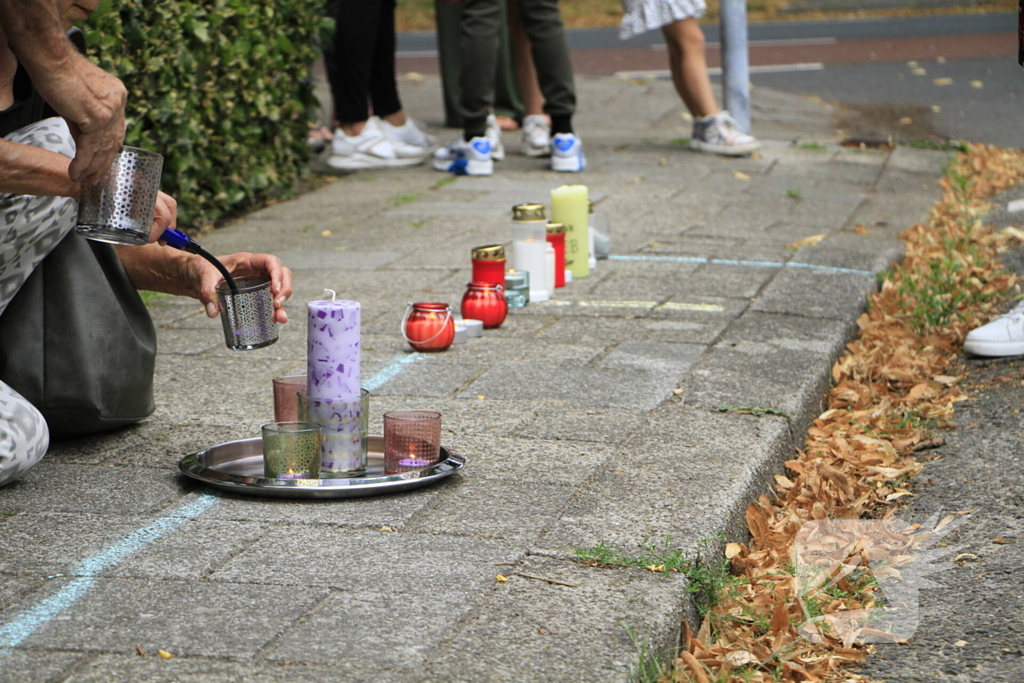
[[24, 437]]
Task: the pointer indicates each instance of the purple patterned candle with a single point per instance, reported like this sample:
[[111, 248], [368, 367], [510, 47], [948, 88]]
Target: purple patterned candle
[[333, 349]]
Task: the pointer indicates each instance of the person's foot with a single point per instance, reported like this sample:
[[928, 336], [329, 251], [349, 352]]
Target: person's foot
[[409, 133], [370, 149], [567, 153], [493, 133], [1002, 337], [465, 158], [719, 134], [319, 138], [536, 136]]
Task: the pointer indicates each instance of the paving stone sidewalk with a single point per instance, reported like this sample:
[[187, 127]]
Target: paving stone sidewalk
[[597, 417]]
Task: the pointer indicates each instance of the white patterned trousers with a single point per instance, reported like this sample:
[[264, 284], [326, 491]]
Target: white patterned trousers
[[30, 227]]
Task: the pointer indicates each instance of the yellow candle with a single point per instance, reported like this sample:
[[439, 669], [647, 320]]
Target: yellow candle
[[569, 205]]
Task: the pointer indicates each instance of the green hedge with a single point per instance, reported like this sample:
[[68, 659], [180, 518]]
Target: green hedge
[[221, 88]]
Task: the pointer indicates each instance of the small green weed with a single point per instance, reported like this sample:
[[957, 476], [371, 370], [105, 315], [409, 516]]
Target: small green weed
[[417, 223], [150, 298], [813, 146], [757, 411], [679, 142], [443, 181], [794, 194], [650, 665], [406, 198]]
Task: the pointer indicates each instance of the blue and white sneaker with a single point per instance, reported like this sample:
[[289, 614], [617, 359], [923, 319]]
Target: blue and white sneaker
[[567, 153], [465, 158]]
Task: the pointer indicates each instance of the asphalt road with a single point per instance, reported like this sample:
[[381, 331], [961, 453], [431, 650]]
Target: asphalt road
[[967, 84]]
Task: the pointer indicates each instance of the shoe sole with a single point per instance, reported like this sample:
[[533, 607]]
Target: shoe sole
[[531, 151], [464, 167], [994, 349], [573, 164], [358, 162], [725, 150]]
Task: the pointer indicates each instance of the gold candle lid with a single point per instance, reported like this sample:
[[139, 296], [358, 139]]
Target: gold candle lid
[[528, 212], [556, 228], [490, 252]]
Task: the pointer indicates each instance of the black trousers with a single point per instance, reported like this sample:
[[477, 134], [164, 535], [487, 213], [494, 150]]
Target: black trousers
[[481, 21], [361, 59]]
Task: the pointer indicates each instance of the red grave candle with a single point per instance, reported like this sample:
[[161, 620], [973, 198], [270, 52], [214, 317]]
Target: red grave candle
[[556, 236], [429, 326], [485, 302], [489, 264]]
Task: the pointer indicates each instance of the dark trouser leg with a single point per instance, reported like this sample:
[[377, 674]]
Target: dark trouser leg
[[383, 89], [481, 20], [543, 23], [355, 38]]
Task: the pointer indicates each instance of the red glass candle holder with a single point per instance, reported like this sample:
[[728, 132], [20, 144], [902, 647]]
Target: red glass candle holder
[[556, 237], [489, 264], [429, 326], [485, 302]]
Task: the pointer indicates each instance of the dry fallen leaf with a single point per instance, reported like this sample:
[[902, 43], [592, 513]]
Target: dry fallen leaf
[[501, 578], [386, 528], [1002, 541], [807, 241], [906, 121], [977, 85], [140, 651], [940, 60], [678, 392], [936, 109], [942, 81], [739, 658], [740, 175], [732, 550], [325, 233], [960, 643], [662, 161], [918, 72], [912, 64], [860, 229], [966, 557], [164, 654], [1013, 232], [414, 76]]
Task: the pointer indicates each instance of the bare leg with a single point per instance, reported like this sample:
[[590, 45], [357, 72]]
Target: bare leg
[[353, 128], [685, 43], [397, 119], [522, 60]]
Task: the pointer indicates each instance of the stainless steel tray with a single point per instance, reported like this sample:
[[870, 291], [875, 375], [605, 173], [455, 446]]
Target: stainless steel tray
[[237, 466]]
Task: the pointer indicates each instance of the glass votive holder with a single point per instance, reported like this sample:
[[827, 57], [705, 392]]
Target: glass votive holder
[[119, 208], [474, 328], [291, 450], [248, 313], [412, 440], [286, 397], [345, 424], [517, 288]]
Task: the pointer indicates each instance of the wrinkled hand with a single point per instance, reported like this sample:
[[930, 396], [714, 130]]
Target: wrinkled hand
[[165, 216], [92, 101], [205, 279]]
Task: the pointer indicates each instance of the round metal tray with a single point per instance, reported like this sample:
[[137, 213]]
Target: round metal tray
[[237, 466]]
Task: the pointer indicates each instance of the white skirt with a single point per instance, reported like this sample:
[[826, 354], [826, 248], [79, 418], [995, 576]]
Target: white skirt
[[641, 16]]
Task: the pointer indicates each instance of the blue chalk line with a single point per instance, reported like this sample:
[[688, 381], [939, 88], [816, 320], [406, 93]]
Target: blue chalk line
[[30, 620]]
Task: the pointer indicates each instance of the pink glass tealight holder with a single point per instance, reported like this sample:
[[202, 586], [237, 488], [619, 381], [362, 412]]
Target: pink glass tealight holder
[[412, 440], [286, 397]]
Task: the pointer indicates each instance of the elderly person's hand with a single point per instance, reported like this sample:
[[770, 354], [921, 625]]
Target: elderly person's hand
[[165, 216], [205, 277]]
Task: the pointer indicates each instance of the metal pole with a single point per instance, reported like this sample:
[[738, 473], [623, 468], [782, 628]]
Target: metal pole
[[735, 61]]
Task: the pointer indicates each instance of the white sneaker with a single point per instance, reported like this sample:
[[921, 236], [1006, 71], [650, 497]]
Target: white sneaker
[[409, 133], [370, 149], [719, 134], [465, 158], [536, 136], [567, 153], [1004, 336], [493, 133]]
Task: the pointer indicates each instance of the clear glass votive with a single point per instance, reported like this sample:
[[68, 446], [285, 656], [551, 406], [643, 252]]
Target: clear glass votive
[[119, 208], [346, 427], [286, 397], [412, 440], [291, 450], [517, 288], [248, 314]]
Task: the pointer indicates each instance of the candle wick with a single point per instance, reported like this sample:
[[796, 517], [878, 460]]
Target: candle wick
[[334, 295]]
